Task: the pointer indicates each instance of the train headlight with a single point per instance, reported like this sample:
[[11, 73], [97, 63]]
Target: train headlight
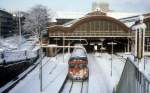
[[70, 72], [85, 72]]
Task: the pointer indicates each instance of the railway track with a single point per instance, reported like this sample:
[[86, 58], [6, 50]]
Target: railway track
[[71, 86], [23, 75], [20, 77]]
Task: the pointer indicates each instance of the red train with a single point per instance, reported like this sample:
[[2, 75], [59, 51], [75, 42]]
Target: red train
[[78, 65]]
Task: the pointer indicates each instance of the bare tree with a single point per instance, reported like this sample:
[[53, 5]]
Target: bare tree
[[37, 19]]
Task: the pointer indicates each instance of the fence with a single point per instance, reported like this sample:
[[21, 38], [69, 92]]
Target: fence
[[133, 80]]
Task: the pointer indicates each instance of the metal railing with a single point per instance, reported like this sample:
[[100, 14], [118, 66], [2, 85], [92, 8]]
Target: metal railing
[[133, 80]]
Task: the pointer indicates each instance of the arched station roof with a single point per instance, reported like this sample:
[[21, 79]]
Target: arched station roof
[[92, 24]]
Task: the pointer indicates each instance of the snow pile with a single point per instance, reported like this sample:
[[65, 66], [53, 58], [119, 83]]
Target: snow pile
[[11, 43], [10, 56], [32, 54], [146, 62], [18, 55], [14, 50]]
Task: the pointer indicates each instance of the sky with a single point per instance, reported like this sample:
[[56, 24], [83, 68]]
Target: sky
[[76, 5]]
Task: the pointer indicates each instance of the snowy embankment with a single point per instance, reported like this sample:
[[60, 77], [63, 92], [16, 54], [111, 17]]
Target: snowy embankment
[[7, 86], [11, 43], [147, 66], [18, 55], [54, 74], [14, 50], [100, 79]]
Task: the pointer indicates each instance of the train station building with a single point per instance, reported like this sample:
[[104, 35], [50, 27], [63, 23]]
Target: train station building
[[101, 28]]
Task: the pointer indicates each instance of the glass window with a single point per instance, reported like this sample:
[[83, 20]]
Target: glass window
[[71, 65], [82, 65]]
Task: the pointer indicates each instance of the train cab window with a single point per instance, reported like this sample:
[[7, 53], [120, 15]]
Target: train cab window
[[82, 65], [71, 65]]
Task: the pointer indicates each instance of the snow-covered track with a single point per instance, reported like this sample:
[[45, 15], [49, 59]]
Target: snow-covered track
[[13, 83], [24, 74], [71, 86]]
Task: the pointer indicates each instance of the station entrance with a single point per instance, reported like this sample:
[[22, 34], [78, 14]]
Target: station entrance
[[96, 44]]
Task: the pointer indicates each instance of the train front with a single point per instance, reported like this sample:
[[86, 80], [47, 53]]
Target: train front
[[78, 69]]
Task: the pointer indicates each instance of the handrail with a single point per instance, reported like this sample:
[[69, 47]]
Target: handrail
[[133, 80]]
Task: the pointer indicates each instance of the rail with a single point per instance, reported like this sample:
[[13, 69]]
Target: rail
[[133, 80], [70, 86], [13, 83]]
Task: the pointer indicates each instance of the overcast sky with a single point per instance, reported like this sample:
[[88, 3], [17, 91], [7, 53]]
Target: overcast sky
[[77, 5]]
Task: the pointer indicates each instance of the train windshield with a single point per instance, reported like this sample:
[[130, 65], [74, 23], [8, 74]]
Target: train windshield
[[82, 65], [77, 66], [71, 65]]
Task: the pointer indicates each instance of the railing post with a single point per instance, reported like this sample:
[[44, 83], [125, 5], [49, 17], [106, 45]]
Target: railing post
[[63, 47]]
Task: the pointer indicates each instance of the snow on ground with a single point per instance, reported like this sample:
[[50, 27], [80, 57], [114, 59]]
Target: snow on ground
[[10, 42], [100, 80], [67, 87], [54, 73], [85, 87], [147, 65], [9, 84], [76, 88]]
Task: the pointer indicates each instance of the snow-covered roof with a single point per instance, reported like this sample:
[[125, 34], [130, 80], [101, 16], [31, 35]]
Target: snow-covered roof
[[129, 24], [76, 15], [69, 15], [119, 15]]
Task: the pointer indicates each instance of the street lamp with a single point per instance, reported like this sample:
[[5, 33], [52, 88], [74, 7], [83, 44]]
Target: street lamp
[[63, 47], [40, 33], [112, 49]]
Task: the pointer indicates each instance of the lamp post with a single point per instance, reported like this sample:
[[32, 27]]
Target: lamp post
[[19, 28], [40, 36], [112, 49], [56, 39], [148, 43], [0, 27]]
